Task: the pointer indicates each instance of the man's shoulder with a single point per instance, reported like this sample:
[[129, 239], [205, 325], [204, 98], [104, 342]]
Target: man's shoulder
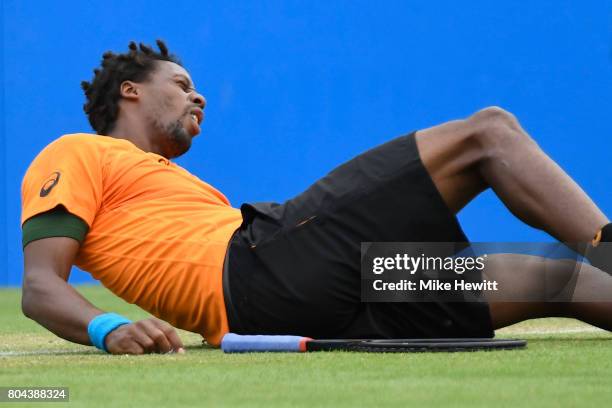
[[86, 140], [74, 148], [83, 145]]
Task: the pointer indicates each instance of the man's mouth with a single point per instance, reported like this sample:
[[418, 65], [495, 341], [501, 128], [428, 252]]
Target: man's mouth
[[196, 116]]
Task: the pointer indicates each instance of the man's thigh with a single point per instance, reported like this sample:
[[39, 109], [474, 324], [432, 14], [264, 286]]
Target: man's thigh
[[384, 194], [450, 154]]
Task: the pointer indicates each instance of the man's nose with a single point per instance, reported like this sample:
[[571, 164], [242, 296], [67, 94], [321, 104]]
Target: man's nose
[[198, 99]]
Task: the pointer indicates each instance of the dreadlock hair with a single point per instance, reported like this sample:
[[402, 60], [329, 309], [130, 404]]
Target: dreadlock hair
[[103, 92]]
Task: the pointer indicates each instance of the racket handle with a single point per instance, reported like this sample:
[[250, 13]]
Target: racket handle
[[235, 343]]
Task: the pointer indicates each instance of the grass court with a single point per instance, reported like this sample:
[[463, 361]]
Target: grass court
[[567, 363]]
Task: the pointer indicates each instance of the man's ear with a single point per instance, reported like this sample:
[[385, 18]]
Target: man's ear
[[129, 90]]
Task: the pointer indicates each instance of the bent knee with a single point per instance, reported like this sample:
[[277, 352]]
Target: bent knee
[[496, 130], [494, 117]]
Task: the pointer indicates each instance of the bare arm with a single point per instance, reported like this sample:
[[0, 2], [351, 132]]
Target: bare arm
[[47, 297], [53, 303]]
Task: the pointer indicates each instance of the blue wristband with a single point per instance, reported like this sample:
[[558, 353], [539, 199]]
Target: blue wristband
[[100, 326]]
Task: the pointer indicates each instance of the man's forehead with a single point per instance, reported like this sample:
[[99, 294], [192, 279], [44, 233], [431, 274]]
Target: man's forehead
[[170, 70]]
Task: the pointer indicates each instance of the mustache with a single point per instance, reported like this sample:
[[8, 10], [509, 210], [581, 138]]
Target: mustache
[[189, 108]]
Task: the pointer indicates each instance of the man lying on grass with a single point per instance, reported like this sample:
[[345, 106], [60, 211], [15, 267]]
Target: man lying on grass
[[115, 205]]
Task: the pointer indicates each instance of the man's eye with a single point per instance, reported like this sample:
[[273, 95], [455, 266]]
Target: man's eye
[[185, 86]]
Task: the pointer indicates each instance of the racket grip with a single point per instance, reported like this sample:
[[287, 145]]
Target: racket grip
[[235, 343]]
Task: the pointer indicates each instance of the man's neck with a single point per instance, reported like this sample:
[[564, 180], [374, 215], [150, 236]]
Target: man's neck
[[135, 132]]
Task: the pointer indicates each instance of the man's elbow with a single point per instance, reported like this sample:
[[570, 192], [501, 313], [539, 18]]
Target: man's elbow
[[26, 310], [29, 297], [27, 303]]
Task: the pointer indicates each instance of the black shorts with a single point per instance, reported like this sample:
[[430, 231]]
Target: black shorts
[[294, 268]]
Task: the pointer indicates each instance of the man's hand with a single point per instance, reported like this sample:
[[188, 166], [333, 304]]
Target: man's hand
[[143, 337]]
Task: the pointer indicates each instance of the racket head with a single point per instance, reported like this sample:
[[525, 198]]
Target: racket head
[[415, 345]]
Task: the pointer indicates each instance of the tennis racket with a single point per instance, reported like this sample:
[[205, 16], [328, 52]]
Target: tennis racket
[[234, 343]]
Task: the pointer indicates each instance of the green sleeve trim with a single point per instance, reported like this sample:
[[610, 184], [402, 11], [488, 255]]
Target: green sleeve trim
[[55, 223]]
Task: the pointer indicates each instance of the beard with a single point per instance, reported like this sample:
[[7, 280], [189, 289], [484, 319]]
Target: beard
[[172, 137], [179, 139]]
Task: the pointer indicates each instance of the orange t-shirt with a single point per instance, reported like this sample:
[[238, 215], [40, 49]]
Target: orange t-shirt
[[157, 234]]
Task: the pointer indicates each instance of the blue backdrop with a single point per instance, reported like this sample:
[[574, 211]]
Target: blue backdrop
[[297, 87]]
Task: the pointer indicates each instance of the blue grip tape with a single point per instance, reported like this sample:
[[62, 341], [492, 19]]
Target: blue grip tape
[[235, 343]]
